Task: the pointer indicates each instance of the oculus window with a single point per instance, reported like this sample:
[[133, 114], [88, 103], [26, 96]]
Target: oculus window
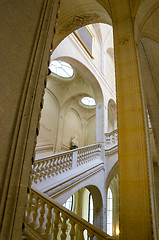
[[88, 101], [62, 69]]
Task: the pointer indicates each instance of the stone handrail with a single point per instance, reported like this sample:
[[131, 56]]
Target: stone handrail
[[51, 221], [58, 163], [111, 139]]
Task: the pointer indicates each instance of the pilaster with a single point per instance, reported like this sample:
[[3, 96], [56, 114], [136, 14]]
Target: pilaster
[[30, 26], [134, 190]]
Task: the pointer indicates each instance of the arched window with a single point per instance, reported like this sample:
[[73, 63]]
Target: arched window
[[69, 203], [90, 209], [109, 212]]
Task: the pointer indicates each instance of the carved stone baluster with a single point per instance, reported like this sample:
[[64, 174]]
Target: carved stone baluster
[[64, 163], [39, 172], [52, 166], [92, 154], [35, 172], [42, 170], [28, 218], [68, 162], [83, 157], [90, 235], [116, 138], [88, 155], [48, 222], [41, 218], [34, 223], [57, 165], [94, 151], [56, 223], [72, 232], [81, 236], [61, 164], [45, 169], [63, 227], [70, 159], [49, 170], [78, 158], [99, 238]]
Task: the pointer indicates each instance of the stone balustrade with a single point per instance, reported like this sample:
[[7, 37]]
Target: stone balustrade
[[88, 153], [111, 139], [50, 166], [58, 163], [46, 219]]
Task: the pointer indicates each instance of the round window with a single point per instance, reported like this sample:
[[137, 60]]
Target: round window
[[61, 69], [88, 101]]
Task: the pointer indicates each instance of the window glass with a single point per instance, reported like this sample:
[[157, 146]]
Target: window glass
[[90, 209], [69, 203], [88, 101], [86, 37], [109, 212], [61, 69]]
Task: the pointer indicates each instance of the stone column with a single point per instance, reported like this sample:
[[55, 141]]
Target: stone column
[[134, 190], [27, 29]]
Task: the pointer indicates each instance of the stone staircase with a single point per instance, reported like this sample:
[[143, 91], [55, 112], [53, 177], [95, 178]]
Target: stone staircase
[[45, 219], [53, 175]]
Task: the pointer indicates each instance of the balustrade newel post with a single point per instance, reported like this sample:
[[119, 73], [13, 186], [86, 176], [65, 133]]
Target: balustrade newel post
[[74, 160]]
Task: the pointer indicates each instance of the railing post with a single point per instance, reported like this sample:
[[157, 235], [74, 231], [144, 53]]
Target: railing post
[[74, 160]]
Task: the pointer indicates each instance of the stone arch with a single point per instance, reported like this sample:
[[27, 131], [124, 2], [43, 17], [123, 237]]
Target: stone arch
[[97, 91], [31, 71], [97, 203], [110, 53], [79, 14], [147, 40], [112, 182], [72, 127], [46, 141], [111, 175], [90, 131]]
